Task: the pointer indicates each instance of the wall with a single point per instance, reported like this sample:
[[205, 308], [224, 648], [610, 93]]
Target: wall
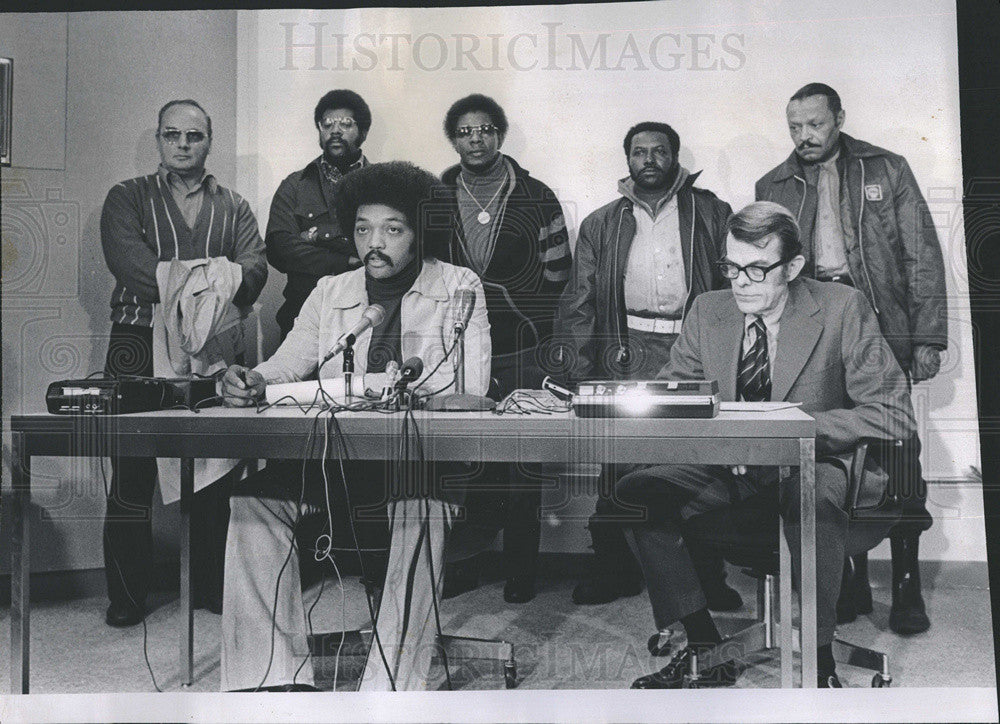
[[88, 88], [573, 79]]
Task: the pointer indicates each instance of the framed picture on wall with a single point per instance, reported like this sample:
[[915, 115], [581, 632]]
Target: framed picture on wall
[[6, 96]]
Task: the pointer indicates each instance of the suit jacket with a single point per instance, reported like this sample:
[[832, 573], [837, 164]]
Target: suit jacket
[[831, 357]]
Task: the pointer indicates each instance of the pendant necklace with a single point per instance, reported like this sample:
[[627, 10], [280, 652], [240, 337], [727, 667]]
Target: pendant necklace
[[484, 216]]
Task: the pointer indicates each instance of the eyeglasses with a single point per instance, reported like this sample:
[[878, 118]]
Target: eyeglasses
[[487, 129], [344, 123], [173, 136], [754, 273]]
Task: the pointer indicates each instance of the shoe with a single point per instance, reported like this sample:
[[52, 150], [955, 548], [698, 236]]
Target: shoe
[[723, 597], [124, 615], [604, 589], [284, 688], [674, 674], [830, 681], [458, 580], [519, 590], [908, 614]]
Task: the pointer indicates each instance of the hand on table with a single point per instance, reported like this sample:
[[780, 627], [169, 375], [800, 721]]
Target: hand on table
[[242, 387]]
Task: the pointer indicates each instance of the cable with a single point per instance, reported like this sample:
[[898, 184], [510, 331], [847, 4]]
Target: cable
[[291, 549], [341, 455], [430, 554], [121, 575]]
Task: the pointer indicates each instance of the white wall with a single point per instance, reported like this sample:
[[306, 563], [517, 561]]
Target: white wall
[[720, 72], [89, 86], [86, 114]]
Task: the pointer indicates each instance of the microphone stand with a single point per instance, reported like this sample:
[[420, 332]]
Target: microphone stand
[[349, 368], [459, 401]]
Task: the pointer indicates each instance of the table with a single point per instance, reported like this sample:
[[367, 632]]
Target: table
[[785, 438]]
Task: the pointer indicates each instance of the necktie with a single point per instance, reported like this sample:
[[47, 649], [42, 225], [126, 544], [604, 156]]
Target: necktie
[[753, 380]]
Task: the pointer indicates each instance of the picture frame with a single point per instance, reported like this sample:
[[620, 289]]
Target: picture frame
[[6, 103]]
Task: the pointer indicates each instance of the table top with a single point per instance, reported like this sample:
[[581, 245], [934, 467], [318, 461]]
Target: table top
[[790, 422]]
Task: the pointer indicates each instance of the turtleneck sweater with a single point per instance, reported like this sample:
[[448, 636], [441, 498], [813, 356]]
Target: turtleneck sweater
[[487, 188], [386, 341]]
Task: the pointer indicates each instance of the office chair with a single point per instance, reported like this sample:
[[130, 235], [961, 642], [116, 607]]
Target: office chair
[[746, 535]]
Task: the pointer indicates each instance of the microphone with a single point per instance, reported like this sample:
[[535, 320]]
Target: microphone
[[466, 304], [371, 317], [410, 371]]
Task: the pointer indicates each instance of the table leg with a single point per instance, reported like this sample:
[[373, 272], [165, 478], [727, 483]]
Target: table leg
[[20, 567], [187, 608], [807, 487], [785, 603]]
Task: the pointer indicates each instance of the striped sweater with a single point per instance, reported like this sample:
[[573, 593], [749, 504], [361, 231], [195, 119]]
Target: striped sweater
[[141, 225]]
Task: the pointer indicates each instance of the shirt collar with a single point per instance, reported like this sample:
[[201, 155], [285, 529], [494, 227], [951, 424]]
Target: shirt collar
[[771, 320], [173, 180], [331, 172], [429, 283]]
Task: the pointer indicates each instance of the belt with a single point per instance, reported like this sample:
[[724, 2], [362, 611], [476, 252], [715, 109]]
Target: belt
[[659, 326], [839, 278]]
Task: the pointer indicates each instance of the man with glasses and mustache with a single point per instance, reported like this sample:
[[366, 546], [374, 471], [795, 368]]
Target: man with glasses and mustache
[[640, 261], [264, 644], [178, 212], [304, 238], [865, 223], [773, 336], [509, 228]]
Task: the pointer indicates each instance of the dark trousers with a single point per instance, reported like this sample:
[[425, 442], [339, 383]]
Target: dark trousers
[[128, 522], [665, 496], [503, 496]]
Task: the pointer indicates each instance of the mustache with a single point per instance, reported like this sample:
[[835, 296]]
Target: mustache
[[376, 254]]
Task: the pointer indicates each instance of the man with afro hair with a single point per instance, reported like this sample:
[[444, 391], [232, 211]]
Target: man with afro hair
[[264, 643]]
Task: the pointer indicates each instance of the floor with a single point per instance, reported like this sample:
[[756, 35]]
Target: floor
[[557, 645]]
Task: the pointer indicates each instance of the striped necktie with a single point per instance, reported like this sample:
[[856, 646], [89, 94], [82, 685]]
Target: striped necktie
[[753, 381]]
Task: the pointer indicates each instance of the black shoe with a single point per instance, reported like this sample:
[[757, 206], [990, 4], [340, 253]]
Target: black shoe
[[459, 580], [519, 590], [672, 676], [830, 681], [723, 597], [285, 688], [908, 615], [124, 615], [605, 589]]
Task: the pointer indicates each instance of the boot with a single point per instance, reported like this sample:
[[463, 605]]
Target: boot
[[907, 615], [615, 572]]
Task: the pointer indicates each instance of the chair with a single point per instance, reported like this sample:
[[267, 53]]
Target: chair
[[746, 535]]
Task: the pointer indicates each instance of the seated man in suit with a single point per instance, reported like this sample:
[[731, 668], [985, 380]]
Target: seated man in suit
[[773, 336], [264, 644]]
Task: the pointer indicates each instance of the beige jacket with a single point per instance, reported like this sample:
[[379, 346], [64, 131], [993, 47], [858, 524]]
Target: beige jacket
[[428, 314]]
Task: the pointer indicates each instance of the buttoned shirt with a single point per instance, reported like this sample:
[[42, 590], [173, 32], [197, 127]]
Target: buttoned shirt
[[772, 323], [188, 199], [831, 248], [654, 275]]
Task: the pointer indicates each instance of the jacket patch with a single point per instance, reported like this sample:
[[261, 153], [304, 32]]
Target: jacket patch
[[873, 192]]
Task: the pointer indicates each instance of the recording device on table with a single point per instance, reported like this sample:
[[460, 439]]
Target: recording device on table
[[124, 394], [641, 398], [373, 316], [460, 400]]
